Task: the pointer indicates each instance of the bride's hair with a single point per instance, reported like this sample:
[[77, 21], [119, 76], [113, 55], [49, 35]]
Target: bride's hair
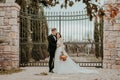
[[59, 34]]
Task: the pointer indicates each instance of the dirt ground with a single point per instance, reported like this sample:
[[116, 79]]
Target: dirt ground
[[34, 73]]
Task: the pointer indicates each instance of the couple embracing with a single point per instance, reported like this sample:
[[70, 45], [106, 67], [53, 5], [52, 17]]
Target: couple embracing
[[57, 64]]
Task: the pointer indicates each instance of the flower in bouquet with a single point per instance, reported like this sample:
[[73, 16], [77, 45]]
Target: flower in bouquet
[[63, 57]]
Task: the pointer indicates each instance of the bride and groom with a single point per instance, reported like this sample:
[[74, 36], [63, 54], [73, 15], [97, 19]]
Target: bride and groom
[[56, 65]]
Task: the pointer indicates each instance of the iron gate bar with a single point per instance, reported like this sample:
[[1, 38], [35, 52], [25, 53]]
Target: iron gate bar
[[66, 15], [45, 64], [82, 43], [60, 23], [33, 43], [66, 19]]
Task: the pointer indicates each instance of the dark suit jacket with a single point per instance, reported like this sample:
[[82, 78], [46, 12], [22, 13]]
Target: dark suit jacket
[[51, 44]]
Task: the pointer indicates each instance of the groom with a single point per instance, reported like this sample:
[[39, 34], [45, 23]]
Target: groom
[[52, 40]]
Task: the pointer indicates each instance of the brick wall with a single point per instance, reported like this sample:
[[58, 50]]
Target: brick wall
[[9, 32], [111, 40]]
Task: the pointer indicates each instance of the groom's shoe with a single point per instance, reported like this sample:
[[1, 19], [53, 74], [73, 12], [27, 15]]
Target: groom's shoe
[[51, 71]]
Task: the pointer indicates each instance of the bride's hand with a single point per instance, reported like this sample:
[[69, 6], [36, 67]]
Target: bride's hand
[[58, 45]]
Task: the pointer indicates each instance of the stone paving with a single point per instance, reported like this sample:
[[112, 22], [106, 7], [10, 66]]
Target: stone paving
[[33, 73]]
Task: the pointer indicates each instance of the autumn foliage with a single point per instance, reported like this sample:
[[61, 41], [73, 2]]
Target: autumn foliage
[[93, 10], [111, 13]]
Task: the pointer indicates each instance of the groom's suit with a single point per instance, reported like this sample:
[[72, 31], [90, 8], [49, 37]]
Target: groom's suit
[[51, 49]]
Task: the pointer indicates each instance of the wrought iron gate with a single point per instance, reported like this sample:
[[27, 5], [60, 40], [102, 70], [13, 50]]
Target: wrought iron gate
[[33, 37], [75, 28]]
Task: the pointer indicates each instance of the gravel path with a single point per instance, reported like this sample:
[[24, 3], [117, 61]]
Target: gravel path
[[33, 73]]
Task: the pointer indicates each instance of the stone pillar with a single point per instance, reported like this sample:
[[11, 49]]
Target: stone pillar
[[112, 40], [9, 33]]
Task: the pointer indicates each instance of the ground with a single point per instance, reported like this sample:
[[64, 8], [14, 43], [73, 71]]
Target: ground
[[33, 73]]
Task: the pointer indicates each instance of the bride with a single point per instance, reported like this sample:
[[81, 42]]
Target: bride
[[68, 66]]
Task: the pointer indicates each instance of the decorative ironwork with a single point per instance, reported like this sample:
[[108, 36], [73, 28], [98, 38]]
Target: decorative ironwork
[[82, 39], [74, 26], [45, 64]]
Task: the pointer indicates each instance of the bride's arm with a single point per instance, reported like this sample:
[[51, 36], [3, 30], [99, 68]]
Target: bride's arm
[[58, 44]]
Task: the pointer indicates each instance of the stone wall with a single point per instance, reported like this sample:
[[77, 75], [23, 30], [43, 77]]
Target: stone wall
[[9, 34], [112, 40]]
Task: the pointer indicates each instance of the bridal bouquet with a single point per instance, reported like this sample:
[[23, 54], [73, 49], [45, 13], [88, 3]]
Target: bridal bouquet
[[63, 57]]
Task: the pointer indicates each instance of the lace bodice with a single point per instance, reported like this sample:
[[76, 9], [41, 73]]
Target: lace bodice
[[60, 43]]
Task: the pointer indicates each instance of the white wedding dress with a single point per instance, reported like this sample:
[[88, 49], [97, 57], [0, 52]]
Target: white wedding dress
[[68, 66]]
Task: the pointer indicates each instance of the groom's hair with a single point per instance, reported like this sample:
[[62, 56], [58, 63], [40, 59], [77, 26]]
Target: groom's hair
[[53, 29]]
